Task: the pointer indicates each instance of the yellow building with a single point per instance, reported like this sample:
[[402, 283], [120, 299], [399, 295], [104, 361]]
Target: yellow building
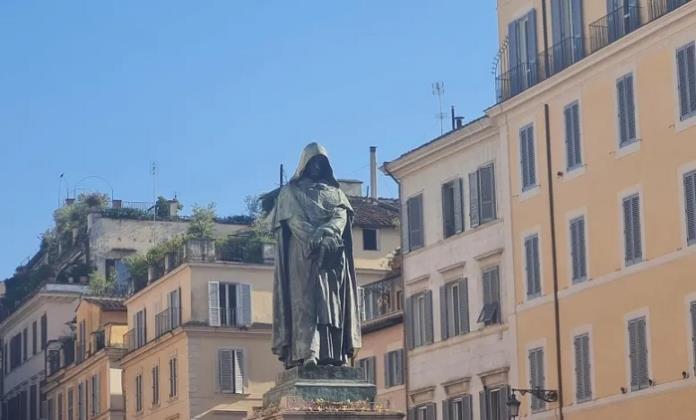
[[597, 106], [84, 375]]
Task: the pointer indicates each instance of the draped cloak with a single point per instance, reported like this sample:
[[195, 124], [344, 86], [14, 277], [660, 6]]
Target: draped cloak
[[315, 306]]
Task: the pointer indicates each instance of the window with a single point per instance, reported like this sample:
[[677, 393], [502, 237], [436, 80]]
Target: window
[[522, 53], [627, 110], [394, 368], [577, 249], [690, 206], [490, 313], [622, 18], [367, 364], [70, 404], [34, 338], [536, 376], [138, 393], [572, 133], [44, 331], [692, 309], [454, 308], [482, 195], [155, 385], [638, 353], [532, 273], [419, 313], [33, 402], [380, 298], [81, 402], [493, 403], [452, 208], [229, 304], [458, 408], [59, 407], [50, 414], [686, 69], [566, 19], [527, 157], [95, 395], [231, 369], [139, 320], [413, 225], [369, 239], [423, 412], [174, 301], [172, 377], [16, 351], [633, 252], [25, 344], [583, 382]]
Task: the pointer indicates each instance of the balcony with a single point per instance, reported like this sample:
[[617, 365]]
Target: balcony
[[381, 299], [167, 320], [129, 340], [511, 79], [80, 351], [99, 340]]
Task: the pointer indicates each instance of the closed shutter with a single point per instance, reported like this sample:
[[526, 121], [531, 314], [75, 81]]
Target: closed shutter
[[514, 60], [487, 185], [577, 241], [583, 387], [632, 230], [458, 205], [97, 394], [683, 87], [430, 412], [572, 125], [445, 303], [404, 228], [446, 408], [531, 34], [144, 326], [691, 76], [429, 317], [243, 303], [531, 157], [410, 339], [578, 38], [642, 354], [467, 409], [411, 414], [415, 221], [226, 370], [239, 376], [483, 405], [463, 306], [633, 353], [531, 248], [536, 375], [214, 303], [638, 353], [628, 231], [525, 161], [399, 367], [474, 218], [387, 370], [693, 332], [447, 209], [690, 205], [630, 108], [623, 111]]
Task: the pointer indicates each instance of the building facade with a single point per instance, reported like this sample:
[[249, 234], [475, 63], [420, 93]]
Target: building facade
[[25, 335], [84, 373], [457, 274], [596, 107]]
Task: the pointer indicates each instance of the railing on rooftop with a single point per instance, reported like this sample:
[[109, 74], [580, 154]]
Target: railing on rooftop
[[167, 320], [614, 26], [512, 79], [381, 298]]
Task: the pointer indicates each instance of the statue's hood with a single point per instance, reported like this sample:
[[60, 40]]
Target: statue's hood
[[310, 151]]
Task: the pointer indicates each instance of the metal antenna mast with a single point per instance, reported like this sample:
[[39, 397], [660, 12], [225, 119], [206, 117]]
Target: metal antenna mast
[[439, 91]]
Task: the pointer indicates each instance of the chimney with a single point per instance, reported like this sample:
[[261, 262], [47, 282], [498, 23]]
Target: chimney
[[373, 172]]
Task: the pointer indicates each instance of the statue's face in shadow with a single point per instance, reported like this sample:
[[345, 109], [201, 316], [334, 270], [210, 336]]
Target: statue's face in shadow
[[317, 169]]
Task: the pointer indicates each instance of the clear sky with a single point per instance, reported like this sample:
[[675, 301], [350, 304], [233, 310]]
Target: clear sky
[[218, 94]]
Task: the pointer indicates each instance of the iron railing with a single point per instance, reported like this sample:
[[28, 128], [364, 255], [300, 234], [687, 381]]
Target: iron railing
[[80, 351], [614, 26], [167, 320], [99, 340], [129, 340], [381, 298], [659, 8]]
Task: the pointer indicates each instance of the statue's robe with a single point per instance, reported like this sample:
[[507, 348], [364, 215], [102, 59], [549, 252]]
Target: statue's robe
[[315, 307]]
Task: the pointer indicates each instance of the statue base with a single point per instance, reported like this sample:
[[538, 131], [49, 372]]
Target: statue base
[[320, 383]]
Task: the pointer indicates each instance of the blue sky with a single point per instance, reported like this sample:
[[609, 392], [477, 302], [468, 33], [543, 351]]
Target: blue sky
[[219, 93]]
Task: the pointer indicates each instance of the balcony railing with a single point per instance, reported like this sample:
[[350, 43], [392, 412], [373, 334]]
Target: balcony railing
[[381, 298], [659, 8], [129, 340], [99, 340], [614, 26], [167, 320], [80, 351], [512, 79]]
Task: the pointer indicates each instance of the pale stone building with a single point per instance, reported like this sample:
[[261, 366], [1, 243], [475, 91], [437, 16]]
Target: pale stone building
[[457, 274]]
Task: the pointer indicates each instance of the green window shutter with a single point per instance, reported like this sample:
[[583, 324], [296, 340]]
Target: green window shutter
[[583, 390], [410, 339], [690, 205], [531, 245], [464, 306], [487, 193], [483, 404], [447, 194], [429, 317], [630, 108], [642, 354], [638, 353], [474, 211], [683, 83], [400, 367], [415, 222], [635, 217], [577, 242], [458, 205], [446, 410], [693, 331], [243, 303], [495, 293], [623, 111], [527, 157], [445, 303], [387, 370], [536, 375], [404, 227], [691, 75]]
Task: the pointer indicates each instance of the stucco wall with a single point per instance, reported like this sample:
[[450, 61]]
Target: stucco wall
[[377, 344]]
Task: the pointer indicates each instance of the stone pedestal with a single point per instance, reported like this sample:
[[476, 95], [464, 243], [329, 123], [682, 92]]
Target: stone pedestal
[[323, 392]]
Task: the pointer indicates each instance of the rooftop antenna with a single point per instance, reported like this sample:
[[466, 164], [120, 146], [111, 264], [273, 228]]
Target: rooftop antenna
[[281, 174], [439, 91], [153, 172]]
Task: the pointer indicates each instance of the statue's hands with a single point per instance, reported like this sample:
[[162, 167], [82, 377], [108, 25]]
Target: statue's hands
[[317, 238], [330, 244]]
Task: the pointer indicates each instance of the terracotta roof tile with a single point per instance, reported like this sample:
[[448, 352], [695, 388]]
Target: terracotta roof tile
[[106, 303]]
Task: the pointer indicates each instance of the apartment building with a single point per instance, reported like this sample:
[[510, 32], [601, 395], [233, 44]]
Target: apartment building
[[382, 356], [457, 274], [84, 372], [596, 109], [25, 335]]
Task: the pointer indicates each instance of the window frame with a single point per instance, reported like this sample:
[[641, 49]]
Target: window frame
[[630, 195], [577, 125], [532, 235], [571, 248], [173, 377], [691, 101], [376, 233], [626, 145], [532, 182], [537, 405]]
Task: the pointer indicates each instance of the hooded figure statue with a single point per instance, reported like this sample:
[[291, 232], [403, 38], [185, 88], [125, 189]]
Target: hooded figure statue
[[315, 306]]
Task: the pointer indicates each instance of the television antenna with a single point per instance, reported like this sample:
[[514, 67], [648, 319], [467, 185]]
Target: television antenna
[[439, 91]]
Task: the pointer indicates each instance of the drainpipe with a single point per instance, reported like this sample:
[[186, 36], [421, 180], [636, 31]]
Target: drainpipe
[[554, 261], [403, 291]]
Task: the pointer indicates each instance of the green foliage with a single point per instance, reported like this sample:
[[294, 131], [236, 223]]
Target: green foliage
[[23, 283], [202, 225], [137, 267], [100, 285], [162, 208]]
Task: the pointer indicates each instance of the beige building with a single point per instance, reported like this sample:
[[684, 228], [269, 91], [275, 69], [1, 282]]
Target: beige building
[[597, 114], [457, 274], [25, 335], [84, 374]]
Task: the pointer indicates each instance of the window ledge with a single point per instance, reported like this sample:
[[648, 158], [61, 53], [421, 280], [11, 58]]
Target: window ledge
[[628, 149], [574, 172], [529, 192]]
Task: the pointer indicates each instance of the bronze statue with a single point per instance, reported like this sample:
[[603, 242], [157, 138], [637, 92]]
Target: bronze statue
[[315, 304]]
